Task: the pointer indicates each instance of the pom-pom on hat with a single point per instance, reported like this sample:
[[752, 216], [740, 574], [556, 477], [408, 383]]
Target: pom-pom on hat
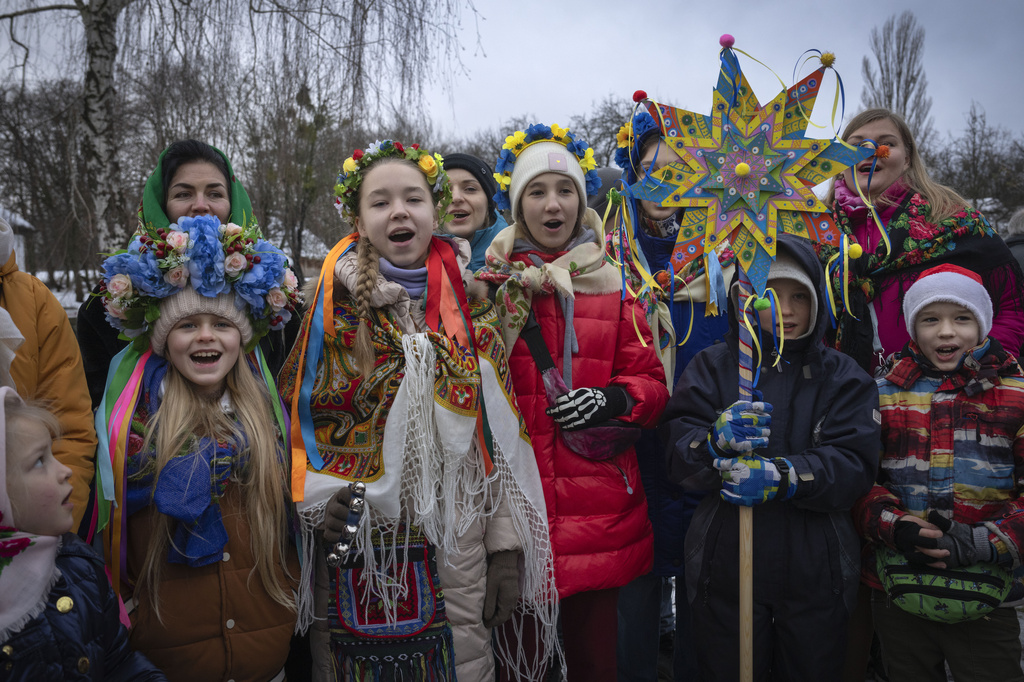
[[949, 284], [190, 302]]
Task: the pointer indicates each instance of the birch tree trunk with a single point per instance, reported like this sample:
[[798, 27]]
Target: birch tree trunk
[[99, 137]]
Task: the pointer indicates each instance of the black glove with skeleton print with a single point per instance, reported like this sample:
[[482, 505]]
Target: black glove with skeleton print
[[582, 408]]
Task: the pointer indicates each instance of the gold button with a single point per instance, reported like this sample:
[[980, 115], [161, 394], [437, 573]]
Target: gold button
[[8, 650], [83, 665], [65, 604]]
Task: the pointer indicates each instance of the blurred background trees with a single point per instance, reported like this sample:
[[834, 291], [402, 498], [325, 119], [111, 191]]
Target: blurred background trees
[[93, 90]]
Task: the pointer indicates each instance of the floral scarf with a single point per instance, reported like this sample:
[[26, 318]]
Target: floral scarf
[[410, 431], [27, 562], [578, 270], [917, 243]]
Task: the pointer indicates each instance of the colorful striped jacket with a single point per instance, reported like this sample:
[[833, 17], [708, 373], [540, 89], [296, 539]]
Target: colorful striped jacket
[[953, 443]]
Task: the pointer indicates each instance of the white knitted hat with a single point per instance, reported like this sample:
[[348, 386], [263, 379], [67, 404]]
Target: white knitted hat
[[545, 157], [950, 284], [190, 302], [786, 267]]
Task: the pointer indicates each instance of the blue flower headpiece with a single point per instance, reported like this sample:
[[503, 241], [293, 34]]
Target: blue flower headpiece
[[211, 258], [630, 139], [538, 132]]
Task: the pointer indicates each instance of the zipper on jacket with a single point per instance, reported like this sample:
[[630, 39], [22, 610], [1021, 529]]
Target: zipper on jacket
[[629, 488]]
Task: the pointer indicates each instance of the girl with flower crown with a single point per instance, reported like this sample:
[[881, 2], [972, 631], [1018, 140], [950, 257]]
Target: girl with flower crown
[[421, 506], [222, 195], [561, 303], [191, 449]]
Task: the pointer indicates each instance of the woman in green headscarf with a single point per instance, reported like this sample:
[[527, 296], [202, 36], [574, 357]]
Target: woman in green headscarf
[[191, 178]]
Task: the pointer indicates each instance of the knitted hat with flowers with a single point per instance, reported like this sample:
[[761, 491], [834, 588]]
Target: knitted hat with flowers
[[948, 284], [238, 273], [543, 149]]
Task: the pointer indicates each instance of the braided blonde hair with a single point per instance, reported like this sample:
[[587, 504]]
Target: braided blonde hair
[[368, 261]]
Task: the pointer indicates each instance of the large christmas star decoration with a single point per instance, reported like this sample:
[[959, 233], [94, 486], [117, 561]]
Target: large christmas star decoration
[[746, 171]]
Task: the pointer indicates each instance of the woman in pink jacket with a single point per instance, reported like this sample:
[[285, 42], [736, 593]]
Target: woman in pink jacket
[[924, 223], [550, 271]]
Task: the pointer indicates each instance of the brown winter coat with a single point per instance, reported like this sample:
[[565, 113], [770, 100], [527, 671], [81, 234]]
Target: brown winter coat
[[218, 621]]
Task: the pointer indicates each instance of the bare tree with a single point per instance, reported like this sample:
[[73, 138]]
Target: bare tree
[[378, 48], [601, 124], [39, 174], [985, 164], [899, 83]]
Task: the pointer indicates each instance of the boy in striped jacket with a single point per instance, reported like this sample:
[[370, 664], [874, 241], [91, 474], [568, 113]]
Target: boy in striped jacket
[[949, 489]]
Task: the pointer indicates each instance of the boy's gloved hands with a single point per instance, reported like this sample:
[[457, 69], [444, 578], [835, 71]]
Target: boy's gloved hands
[[748, 479], [909, 540], [585, 407], [742, 428], [967, 545]]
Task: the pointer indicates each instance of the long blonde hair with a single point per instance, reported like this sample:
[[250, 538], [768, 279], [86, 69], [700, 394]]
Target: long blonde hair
[[944, 201], [182, 416]]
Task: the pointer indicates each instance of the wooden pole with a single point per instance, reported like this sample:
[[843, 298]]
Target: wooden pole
[[746, 534]]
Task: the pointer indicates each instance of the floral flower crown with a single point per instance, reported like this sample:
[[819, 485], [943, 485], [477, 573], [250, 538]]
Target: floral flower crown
[[538, 132], [213, 259], [630, 137], [352, 171]]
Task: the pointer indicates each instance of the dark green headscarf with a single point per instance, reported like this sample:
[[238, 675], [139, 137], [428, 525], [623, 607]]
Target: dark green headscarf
[[151, 210]]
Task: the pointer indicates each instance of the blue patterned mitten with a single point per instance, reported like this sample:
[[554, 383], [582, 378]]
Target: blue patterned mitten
[[741, 428], [748, 480]]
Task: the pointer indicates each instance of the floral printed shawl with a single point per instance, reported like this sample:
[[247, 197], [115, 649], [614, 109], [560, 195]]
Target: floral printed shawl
[[579, 270], [917, 243]]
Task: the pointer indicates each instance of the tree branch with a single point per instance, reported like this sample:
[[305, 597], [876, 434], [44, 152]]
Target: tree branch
[[37, 10]]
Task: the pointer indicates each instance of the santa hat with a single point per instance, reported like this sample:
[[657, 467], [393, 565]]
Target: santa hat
[[948, 284]]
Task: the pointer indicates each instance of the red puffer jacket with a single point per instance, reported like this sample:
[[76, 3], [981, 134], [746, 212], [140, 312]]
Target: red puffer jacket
[[597, 512]]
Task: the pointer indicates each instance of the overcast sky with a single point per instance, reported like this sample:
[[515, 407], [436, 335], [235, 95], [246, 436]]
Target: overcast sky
[[556, 58]]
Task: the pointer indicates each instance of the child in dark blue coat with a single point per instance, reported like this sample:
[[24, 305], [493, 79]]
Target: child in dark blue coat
[[803, 454], [58, 614]]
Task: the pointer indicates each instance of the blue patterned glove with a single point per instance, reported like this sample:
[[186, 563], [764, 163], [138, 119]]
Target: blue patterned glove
[[748, 480], [742, 428]]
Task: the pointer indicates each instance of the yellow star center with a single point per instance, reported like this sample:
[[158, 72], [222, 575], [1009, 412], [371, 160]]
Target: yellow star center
[[742, 169]]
